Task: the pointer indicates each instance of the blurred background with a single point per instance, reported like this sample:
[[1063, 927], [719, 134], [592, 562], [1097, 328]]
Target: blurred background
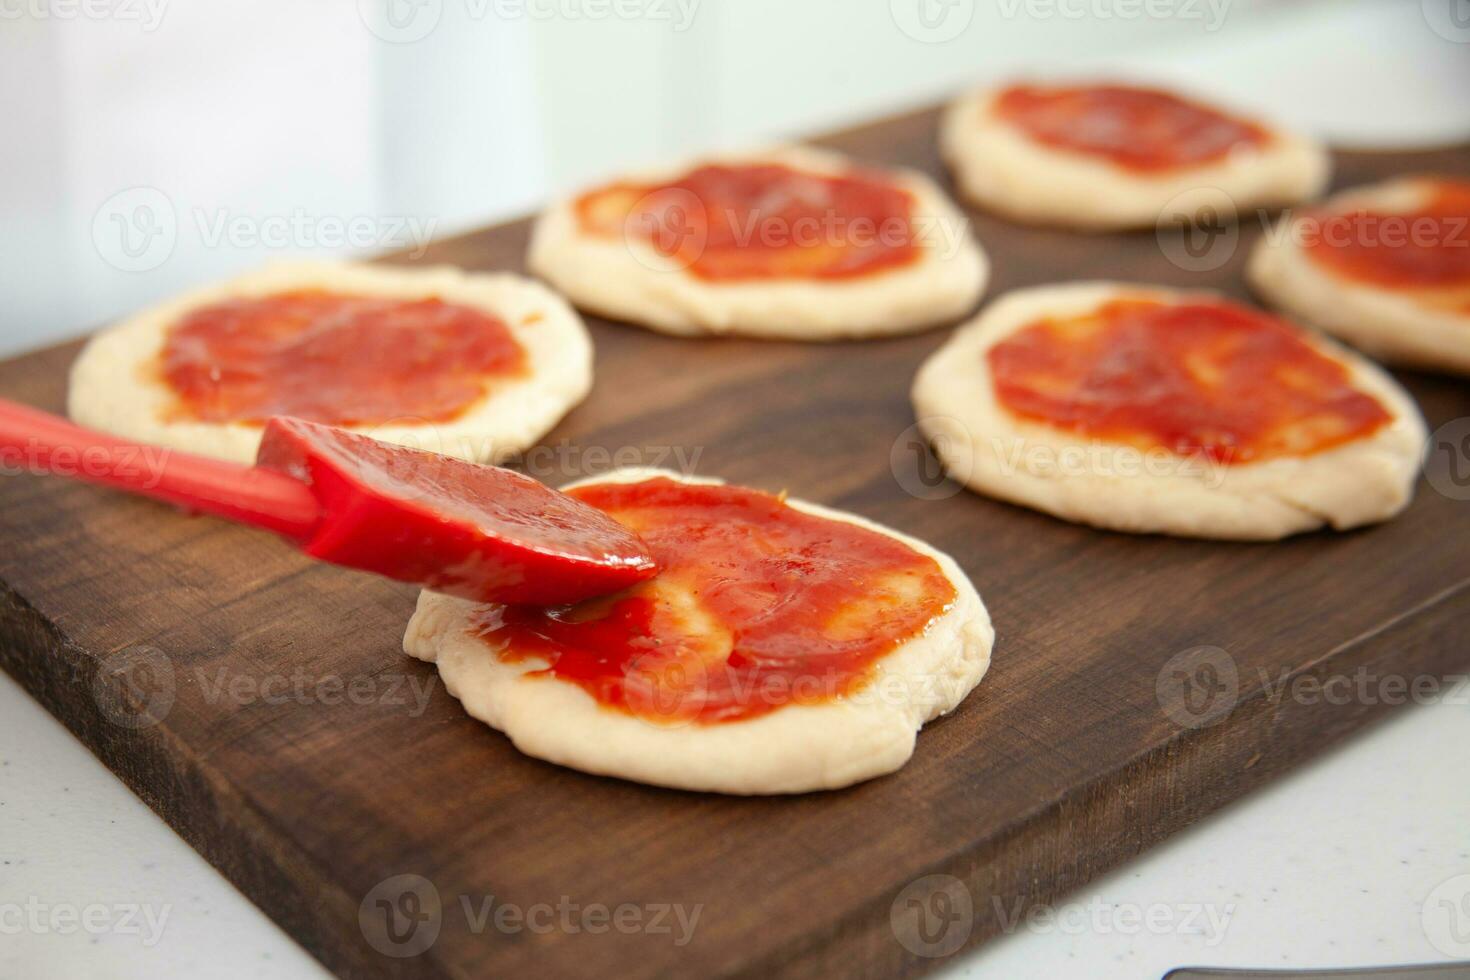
[[154, 144]]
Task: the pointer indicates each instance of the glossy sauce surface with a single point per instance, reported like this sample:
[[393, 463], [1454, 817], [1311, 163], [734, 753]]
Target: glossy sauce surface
[[482, 533], [730, 223], [1424, 250], [757, 605], [334, 358], [1139, 129], [1235, 384]]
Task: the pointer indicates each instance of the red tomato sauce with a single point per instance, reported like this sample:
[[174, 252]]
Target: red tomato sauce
[[1425, 249], [730, 223], [757, 605], [1140, 129], [1232, 383], [336, 359]]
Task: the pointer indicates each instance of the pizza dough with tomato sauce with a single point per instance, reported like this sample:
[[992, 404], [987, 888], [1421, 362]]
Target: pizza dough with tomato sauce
[[790, 243], [1385, 267], [464, 364], [784, 647], [1136, 408], [1098, 156]]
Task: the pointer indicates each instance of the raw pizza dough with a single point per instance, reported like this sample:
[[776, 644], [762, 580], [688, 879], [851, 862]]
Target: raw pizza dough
[[627, 279], [793, 749], [994, 452], [1390, 324], [114, 388], [998, 167]]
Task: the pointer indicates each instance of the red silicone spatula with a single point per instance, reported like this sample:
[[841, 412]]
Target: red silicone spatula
[[481, 532]]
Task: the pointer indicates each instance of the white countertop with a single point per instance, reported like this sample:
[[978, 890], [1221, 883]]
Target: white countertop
[[1352, 860], [1334, 865]]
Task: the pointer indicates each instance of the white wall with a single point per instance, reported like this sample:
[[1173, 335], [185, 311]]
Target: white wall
[[220, 111], [747, 69], [394, 119]]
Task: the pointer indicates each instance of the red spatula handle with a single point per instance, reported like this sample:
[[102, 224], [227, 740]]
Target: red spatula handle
[[34, 440]]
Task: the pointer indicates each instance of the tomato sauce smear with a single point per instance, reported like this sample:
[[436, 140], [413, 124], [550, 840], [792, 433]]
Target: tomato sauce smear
[[335, 358], [752, 222], [1198, 377], [757, 605], [1423, 250], [1140, 129]]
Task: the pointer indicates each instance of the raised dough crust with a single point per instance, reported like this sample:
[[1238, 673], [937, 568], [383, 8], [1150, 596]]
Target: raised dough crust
[[112, 389], [794, 749], [629, 280], [1385, 323], [1000, 169], [1092, 482]]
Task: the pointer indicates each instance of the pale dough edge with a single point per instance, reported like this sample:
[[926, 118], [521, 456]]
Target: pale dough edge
[[984, 447], [110, 388], [629, 281], [794, 749]]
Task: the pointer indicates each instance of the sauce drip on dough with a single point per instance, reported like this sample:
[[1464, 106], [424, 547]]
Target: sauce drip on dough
[[334, 358], [728, 223], [757, 605], [1139, 129], [1232, 383]]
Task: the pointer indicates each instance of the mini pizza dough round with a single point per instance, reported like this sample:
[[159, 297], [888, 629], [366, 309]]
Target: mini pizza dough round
[[986, 447], [1390, 324], [114, 387], [1001, 169], [627, 279], [793, 749]]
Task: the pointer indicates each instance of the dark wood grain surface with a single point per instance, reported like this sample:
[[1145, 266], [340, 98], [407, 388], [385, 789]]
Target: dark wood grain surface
[[199, 662]]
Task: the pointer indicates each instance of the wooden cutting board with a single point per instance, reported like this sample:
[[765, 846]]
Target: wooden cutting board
[[202, 663]]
